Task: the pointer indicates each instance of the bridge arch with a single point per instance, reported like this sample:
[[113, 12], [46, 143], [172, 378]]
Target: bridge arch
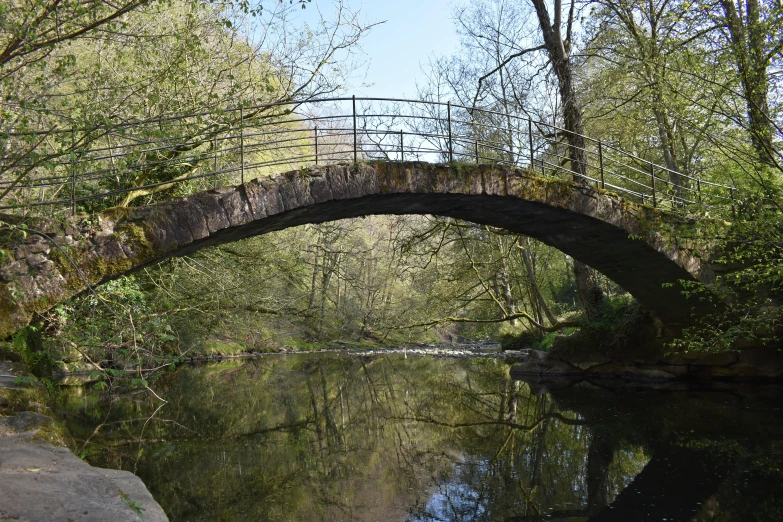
[[626, 242]]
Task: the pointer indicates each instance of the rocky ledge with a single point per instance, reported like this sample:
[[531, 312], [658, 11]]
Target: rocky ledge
[[750, 364], [41, 481]]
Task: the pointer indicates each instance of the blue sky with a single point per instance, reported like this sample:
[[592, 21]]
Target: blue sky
[[398, 50]]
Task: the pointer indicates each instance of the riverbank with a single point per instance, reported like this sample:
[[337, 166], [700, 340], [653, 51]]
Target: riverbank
[[81, 374], [626, 342], [764, 363]]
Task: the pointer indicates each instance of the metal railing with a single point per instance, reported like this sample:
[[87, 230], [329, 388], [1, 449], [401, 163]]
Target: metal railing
[[143, 161]]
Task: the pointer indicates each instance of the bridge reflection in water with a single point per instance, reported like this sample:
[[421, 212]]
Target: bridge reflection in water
[[337, 437]]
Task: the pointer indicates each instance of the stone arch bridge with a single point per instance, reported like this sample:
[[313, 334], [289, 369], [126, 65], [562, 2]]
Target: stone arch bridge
[[634, 245]]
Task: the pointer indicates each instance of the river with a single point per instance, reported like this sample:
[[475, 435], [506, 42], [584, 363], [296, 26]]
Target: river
[[418, 438]]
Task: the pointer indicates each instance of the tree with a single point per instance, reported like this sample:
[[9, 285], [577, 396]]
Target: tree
[[30, 30], [639, 44], [501, 33], [559, 51], [755, 35], [164, 60]]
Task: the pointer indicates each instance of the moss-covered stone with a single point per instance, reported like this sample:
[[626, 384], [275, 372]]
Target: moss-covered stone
[[224, 347], [581, 221], [28, 395], [56, 434], [8, 311]]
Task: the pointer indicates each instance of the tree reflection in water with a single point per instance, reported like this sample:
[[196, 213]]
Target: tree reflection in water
[[334, 437]]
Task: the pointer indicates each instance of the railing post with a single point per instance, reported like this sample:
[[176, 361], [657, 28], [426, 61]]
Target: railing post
[[73, 172], [315, 131], [355, 140], [242, 143], [652, 178], [530, 139], [214, 163], [402, 146], [733, 206], [601, 162], [698, 190], [451, 149]]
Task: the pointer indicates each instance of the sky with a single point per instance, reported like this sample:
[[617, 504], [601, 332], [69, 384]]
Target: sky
[[398, 50]]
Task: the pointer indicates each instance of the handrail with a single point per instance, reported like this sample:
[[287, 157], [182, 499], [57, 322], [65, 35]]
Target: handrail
[[138, 155]]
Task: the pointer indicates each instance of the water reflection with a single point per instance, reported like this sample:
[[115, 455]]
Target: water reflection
[[331, 437]]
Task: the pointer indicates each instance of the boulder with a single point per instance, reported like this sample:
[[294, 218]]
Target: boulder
[[541, 363], [43, 483], [632, 371]]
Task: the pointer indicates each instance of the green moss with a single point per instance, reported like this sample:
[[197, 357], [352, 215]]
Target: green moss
[[117, 214], [137, 238], [56, 434], [97, 269], [28, 395], [8, 307], [224, 347]]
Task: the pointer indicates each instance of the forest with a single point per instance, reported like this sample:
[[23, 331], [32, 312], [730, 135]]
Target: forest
[[692, 85]]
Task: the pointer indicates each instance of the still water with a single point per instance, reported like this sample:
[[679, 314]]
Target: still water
[[389, 438]]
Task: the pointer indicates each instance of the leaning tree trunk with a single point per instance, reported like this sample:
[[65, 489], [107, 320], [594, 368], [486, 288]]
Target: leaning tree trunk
[[590, 294]]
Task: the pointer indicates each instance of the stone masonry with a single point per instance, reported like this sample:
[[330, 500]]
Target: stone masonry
[[631, 244]]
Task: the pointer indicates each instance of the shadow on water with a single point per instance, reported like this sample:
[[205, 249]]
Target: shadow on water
[[336, 437]]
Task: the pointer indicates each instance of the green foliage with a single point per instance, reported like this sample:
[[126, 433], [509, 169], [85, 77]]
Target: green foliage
[[546, 342], [748, 294], [136, 60], [27, 344], [135, 505], [619, 328], [119, 325], [613, 315], [25, 381], [519, 341]]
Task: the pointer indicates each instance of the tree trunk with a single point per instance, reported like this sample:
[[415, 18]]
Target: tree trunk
[[572, 120], [588, 289], [505, 282], [531, 276], [667, 141], [561, 66], [600, 454], [314, 279], [747, 43]]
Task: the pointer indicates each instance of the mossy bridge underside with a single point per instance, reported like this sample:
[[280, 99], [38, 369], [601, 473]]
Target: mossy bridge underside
[[631, 244]]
